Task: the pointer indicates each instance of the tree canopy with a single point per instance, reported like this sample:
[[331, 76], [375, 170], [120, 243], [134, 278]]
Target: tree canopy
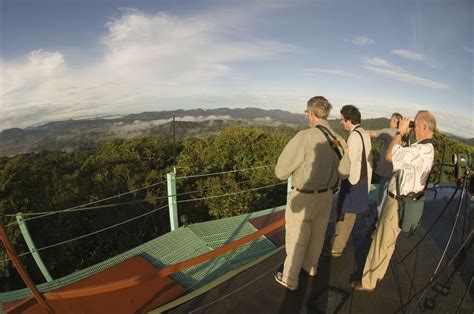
[[128, 178]]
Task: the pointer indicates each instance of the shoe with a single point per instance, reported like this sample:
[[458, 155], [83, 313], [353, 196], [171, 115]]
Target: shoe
[[357, 285], [312, 272], [330, 253], [279, 279]]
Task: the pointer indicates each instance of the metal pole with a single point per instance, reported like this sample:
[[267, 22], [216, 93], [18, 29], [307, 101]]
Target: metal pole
[[21, 270], [174, 143], [32, 247], [172, 204]]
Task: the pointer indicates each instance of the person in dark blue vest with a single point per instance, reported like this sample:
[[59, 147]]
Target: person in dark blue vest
[[354, 194]]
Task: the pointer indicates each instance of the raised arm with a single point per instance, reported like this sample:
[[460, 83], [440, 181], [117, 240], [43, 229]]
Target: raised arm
[[403, 129], [372, 133]]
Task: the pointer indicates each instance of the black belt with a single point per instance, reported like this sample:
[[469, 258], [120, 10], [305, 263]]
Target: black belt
[[393, 195], [333, 189], [412, 195]]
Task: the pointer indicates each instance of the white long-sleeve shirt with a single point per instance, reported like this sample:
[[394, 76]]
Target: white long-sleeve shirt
[[412, 165], [355, 154]]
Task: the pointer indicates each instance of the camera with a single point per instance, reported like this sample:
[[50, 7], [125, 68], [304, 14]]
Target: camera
[[463, 160], [462, 163]]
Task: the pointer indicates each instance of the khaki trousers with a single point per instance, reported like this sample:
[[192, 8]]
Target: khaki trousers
[[343, 232], [383, 245], [306, 217]]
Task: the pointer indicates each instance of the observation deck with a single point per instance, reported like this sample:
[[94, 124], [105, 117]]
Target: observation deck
[[255, 290], [227, 266]]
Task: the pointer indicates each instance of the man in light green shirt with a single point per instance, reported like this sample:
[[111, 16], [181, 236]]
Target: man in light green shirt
[[313, 164]]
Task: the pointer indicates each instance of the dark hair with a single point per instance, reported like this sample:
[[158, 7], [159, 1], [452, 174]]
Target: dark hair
[[397, 116], [351, 113]]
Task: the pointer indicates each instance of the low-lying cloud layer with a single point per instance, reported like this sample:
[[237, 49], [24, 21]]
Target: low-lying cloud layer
[[140, 128]]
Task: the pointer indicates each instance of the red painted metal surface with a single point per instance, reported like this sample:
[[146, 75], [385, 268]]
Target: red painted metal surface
[[105, 294], [277, 236], [136, 299]]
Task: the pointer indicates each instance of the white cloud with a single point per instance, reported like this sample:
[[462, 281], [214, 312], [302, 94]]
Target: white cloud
[[417, 57], [447, 121], [384, 68], [137, 128], [203, 118], [379, 62], [140, 128], [146, 57], [31, 70], [360, 41], [468, 49], [319, 72]]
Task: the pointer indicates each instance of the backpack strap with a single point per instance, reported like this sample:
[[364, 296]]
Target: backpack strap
[[332, 140], [363, 168]]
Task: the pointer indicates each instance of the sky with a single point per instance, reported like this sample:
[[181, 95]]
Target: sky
[[68, 59]]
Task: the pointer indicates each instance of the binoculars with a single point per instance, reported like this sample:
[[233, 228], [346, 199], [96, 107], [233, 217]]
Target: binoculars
[[411, 125]]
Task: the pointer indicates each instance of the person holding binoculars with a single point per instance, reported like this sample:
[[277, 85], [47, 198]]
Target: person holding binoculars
[[412, 165], [384, 168]]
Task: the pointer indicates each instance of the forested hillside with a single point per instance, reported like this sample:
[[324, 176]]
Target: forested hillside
[[51, 181], [91, 133]]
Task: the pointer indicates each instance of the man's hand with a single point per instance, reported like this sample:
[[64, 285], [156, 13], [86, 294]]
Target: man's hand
[[404, 126], [404, 129]]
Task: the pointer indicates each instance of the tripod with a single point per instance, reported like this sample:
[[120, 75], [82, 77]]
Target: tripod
[[470, 224], [466, 243]]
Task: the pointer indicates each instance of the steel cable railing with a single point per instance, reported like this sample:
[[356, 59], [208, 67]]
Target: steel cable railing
[[78, 208], [90, 203]]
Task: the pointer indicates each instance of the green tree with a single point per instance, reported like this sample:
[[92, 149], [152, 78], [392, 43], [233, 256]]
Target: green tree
[[232, 149]]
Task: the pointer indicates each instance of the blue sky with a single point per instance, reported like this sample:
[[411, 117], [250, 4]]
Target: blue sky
[[75, 59]]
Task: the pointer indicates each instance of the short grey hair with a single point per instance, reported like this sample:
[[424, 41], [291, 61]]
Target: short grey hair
[[427, 118], [320, 106]]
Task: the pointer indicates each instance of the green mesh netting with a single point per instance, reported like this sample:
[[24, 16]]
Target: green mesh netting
[[177, 246]]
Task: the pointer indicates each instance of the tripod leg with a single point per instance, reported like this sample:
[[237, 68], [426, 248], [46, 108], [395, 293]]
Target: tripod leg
[[468, 288]]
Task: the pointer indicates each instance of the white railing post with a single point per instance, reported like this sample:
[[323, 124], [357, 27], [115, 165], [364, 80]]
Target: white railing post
[[31, 245], [172, 204]]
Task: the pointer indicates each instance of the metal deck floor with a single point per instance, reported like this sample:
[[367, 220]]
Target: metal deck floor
[[255, 290]]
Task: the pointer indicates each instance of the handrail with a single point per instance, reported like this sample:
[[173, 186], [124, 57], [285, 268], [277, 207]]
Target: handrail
[[169, 270], [21, 269]]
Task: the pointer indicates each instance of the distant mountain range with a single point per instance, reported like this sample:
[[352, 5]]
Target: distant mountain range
[[87, 133]]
